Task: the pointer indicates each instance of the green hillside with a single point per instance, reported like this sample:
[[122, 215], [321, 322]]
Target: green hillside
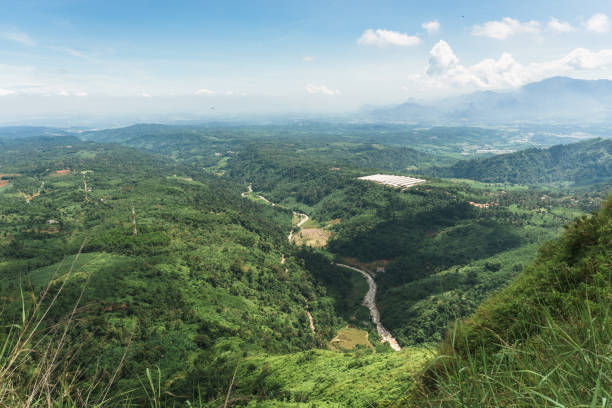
[[580, 164], [207, 300], [201, 282], [542, 341]]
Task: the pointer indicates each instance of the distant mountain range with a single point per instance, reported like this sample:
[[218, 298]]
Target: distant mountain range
[[557, 99], [583, 163]]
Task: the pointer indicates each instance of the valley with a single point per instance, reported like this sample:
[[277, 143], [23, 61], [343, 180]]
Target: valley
[[305, 204], [369, 301], [295, 282]]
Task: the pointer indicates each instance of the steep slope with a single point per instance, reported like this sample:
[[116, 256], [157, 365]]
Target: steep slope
[[545, 339], [581, 163]]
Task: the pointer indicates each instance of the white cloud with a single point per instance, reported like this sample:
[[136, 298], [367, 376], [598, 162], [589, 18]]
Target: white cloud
[[431, 27], [446, 71], [583, 59], [145, 95], [321, 89], [205, 91], [308, 58], [211, 92], [383, 38], [506, 27], [19, 37], [442, 59], [557, 26], [599, 23], [444, 66]]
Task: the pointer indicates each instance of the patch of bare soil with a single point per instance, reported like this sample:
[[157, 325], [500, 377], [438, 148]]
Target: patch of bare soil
[[58, 173], [314, 237]]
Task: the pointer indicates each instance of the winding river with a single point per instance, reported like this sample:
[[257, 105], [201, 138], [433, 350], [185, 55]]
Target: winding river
[[369, 301]]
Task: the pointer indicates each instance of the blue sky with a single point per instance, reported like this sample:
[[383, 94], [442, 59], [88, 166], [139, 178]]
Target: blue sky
[[84, 57]]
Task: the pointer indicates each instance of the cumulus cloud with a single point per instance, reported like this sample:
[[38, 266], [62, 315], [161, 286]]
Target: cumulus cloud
[[442, 59], [506, 27], [599, 23], [383, 38], [583, 59], [445, 69], [431, 27], [489, 73], [321, 89], [19, 37], [557, 26]]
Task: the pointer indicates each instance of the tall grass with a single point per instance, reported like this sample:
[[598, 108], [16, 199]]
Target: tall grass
[[38, 362], [37, 366], [565, 364]]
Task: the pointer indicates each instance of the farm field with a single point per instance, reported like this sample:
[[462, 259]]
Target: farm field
[[348, 338]]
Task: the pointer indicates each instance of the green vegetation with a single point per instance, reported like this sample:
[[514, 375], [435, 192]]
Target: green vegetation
[[206, 300], [202, 278], [545, 339], [330, 379], [444, 255], [580, 164], [348, 338]]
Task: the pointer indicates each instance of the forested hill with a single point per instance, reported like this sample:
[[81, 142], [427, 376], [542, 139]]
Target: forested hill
[[206, 278], [583, 163]]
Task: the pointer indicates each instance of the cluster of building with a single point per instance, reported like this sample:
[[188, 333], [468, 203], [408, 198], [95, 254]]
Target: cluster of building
[[393, 181]]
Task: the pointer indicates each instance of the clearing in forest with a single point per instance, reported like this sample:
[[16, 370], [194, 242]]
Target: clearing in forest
[[58, 173], [348, 338], [4, 183], [314, 237]]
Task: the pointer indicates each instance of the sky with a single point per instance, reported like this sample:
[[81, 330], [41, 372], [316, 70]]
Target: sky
[[77, 58]]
